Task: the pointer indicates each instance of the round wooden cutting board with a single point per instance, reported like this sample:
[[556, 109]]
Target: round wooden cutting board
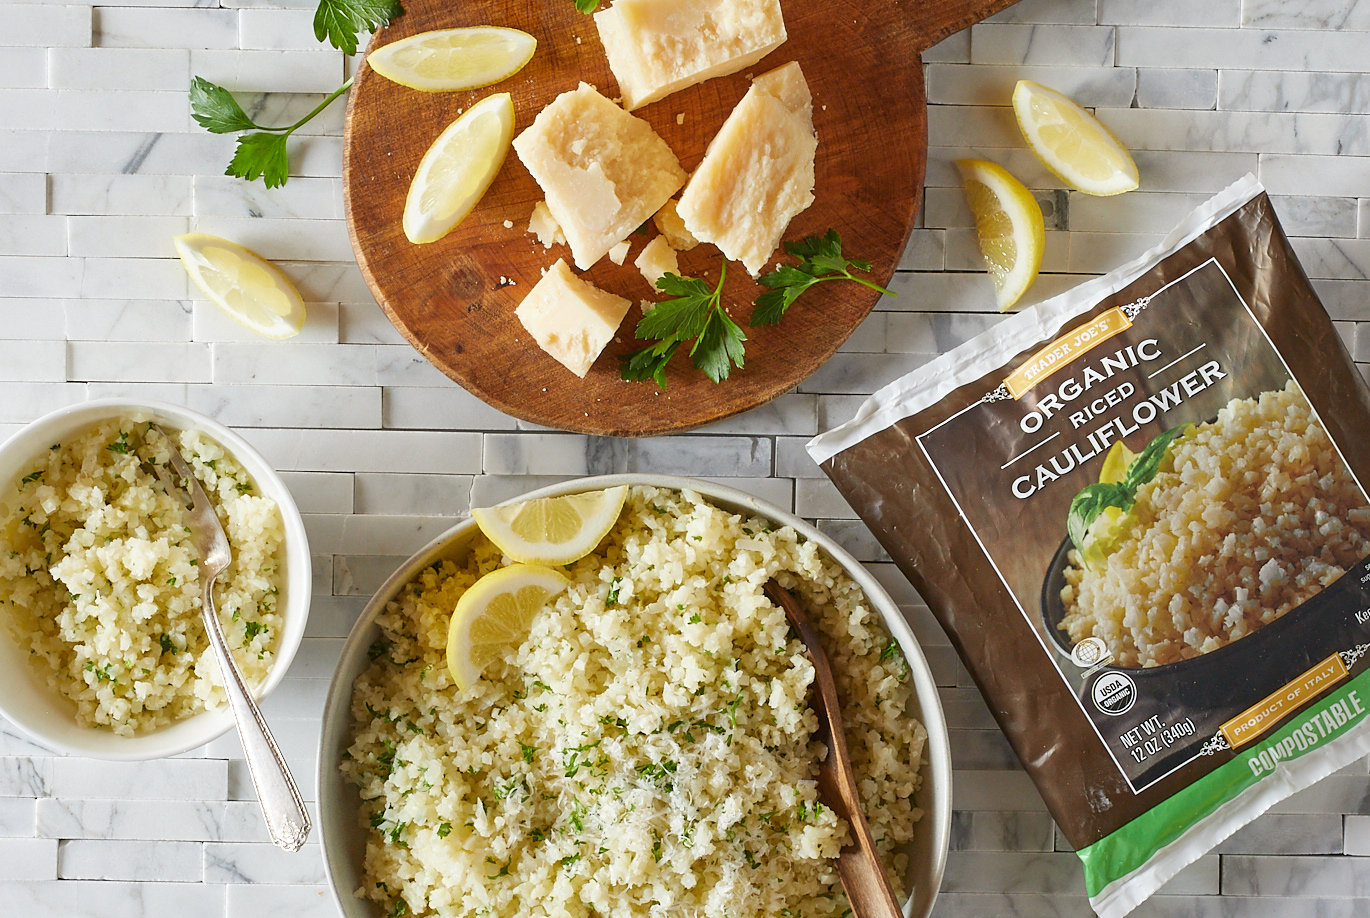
[[454, 299]]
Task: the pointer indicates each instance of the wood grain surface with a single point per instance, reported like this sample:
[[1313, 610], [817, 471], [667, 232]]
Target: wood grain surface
[[454, 299]]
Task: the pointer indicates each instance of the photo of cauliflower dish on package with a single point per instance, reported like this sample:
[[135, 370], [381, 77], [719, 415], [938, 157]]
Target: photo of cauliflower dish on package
[[1211, 532]]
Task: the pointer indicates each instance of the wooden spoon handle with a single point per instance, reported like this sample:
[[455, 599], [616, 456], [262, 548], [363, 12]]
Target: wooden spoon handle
[[863, 876]]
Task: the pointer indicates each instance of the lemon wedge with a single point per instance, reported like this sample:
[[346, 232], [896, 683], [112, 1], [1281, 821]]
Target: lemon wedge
[[1104, 535], [449, 60], [457, 168], [1009, 224], [243, 284], [1071, 142], [493, 617], [1115, 463], [552, 530]]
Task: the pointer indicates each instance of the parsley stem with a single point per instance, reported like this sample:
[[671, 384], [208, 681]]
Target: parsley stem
[[322, 105], [862, 281], [288, 129]]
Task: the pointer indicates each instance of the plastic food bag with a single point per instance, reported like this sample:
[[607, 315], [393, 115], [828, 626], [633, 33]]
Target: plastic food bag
[[1139, 510]]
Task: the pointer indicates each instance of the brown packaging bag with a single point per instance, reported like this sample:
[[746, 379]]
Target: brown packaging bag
[[1173, 632]]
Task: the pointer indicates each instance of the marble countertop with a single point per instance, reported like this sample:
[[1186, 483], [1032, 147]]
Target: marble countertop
[[100, 165]]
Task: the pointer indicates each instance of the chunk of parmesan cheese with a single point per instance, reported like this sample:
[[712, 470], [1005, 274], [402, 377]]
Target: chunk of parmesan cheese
[[673, 228], [544, 226], [619, 252], [570, 318], [657, 47], [758, 171], [603, 171], [656, 259]]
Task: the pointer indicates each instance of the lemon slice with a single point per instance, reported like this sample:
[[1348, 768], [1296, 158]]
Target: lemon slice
[[552, 530], [1071, 142], [448, 60], [1009, 224], [492, 618], [457, 168], [243, 284]]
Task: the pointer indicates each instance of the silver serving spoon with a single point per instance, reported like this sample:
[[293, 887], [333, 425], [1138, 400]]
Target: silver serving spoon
[[287, 821]]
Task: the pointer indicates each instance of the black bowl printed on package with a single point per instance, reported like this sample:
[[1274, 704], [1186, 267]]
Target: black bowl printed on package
[[1139, 509]]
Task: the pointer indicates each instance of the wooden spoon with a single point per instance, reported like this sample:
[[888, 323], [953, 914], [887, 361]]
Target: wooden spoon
[[858, 864]]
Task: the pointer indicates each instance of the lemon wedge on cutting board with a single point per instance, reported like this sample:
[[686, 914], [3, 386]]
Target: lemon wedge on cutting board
[[1071, 142], [552, 530], [493, 617], [451, 60], [243, 284], [1009, 224], [458, 168]]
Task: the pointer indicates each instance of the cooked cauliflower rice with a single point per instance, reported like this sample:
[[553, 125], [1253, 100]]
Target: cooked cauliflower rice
[[647, 750], [1249, 516], [98, 574]]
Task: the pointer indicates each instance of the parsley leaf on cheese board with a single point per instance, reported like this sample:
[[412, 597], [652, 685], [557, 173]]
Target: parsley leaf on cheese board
[[820, 259], [693, 312]]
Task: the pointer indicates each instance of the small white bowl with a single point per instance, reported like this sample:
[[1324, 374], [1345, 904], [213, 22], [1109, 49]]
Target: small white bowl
[[344, 838], [48, 717]]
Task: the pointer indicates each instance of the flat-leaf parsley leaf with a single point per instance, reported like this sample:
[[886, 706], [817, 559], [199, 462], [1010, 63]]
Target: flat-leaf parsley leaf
[[693, 312], [339, 21], [820, 259], [261, 154]]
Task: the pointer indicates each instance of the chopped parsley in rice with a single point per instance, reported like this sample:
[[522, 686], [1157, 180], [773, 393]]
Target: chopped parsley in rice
[[99, 575], [647, 750]]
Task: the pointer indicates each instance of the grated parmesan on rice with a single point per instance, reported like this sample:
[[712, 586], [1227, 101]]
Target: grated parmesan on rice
[[647, 750], [1250, 515], [98, 574]]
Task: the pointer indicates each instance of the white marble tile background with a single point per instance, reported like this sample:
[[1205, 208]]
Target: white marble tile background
[[100, 165]]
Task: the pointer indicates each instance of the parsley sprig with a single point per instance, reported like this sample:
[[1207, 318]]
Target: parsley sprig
[[694, 312], [587, 6], [820, 259], [263, 153]]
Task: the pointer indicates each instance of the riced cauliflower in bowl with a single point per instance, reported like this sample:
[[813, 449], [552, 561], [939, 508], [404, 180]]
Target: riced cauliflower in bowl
[[647, 749], [102, 646]]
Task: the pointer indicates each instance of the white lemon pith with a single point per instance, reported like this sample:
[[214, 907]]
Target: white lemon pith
[[458, 168], [492, 618], [450, 60], [552, 530], [1009, 224], [1071, 142], [243, 284]]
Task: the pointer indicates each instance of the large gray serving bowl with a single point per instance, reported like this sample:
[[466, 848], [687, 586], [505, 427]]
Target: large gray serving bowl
[[344, 837]]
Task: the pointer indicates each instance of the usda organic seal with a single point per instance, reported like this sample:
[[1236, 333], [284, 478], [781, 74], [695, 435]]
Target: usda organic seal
[[1114, 693]]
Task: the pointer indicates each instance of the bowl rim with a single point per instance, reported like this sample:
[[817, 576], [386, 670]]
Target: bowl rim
[[936, 793], [199, 729]]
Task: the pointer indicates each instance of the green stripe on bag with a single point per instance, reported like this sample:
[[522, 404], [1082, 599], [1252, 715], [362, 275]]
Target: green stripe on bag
[[1118, 854]]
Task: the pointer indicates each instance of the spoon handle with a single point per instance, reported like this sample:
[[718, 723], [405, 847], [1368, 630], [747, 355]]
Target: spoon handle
[[287, 820], [863, 876]]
